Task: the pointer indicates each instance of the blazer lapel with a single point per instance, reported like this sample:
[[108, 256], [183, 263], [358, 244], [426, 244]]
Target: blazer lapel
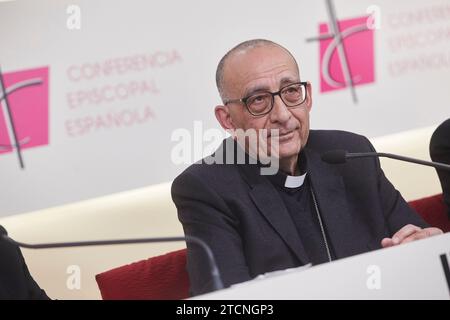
[[329, 190], [270, 204]]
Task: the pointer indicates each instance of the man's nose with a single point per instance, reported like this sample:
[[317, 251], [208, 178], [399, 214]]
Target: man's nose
[[280, 112]]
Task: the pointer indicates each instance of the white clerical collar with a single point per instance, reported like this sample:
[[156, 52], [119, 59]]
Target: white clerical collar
[[294, 181]]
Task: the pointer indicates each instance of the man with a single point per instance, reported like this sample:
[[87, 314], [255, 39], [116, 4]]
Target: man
[[309, 211], [16, 282], [440, 152]]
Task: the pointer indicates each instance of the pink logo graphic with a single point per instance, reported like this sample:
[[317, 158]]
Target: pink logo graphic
[[23, 110], [358, 47], [346, 53]]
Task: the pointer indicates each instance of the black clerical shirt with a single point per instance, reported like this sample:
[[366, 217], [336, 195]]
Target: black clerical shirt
[[300, 205]]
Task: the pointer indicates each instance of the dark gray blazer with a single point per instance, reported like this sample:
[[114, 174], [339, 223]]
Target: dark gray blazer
[[440, 152], [239, 213], [16, 282]]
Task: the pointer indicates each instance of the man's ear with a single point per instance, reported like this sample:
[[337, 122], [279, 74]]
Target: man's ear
[[308, 96], [224, 117]]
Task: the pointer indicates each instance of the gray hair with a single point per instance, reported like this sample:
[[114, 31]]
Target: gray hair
[[242, 48]]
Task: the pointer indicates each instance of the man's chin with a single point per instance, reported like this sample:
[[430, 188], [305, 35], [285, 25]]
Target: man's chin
[[286, 150], [281, 155]]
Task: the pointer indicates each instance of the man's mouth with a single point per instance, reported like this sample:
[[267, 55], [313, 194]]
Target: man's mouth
[[285, 136], [282, 136]]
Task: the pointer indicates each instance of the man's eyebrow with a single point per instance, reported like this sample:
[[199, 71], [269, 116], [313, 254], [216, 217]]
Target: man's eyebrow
[[288, 80], [258, 88]]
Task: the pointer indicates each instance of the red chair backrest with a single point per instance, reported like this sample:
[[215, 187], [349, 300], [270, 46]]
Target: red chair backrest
[[433, 210], [157, 278]]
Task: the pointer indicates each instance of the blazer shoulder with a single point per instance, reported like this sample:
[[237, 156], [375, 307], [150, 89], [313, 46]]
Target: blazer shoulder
[[324, 140], [211, 175]]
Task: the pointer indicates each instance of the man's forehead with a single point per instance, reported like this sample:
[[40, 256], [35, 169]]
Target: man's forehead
[[251, 66], [253, 57]]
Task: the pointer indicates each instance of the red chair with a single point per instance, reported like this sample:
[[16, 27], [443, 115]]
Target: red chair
[[433, 210], [165, 277], [157, 278]]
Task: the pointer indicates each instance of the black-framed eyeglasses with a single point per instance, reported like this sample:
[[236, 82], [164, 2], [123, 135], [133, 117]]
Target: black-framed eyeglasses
[[261, 103]]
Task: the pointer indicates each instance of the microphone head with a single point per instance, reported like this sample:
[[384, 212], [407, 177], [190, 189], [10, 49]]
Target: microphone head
[[335, 156], [3, 231]]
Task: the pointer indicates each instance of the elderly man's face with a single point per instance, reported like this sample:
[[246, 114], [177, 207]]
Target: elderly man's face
[[267, 68]]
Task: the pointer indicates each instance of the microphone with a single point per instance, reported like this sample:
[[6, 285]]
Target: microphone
[[341, 156], [217, 280]]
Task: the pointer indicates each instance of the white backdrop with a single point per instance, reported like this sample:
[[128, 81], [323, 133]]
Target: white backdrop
[[154, 62]]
